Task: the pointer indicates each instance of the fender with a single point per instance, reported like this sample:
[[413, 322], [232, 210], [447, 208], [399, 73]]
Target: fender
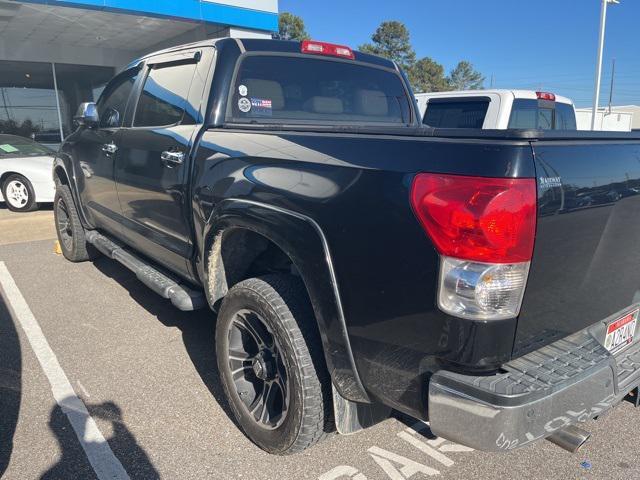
[[303, 240], [62, 161]]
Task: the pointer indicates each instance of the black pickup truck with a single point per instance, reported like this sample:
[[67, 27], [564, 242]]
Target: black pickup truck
[[358, 261]]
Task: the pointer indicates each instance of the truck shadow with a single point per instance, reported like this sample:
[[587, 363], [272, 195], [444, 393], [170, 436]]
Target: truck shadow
[[10, 383], [198, 328]]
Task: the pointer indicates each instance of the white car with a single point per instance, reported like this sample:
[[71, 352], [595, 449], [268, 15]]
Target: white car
[[497, 110], [25, 173]]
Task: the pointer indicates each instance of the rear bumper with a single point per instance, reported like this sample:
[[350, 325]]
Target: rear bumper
[[569, 381]]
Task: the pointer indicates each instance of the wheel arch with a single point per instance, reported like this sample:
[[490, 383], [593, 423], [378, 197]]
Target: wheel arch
[[63, 174], [7, 174], [239, 231]]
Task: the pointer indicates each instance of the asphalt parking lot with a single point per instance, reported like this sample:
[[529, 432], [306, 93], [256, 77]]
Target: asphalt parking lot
[[93, 363]]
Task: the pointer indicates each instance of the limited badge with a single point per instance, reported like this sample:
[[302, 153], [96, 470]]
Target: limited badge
[[242, 90], [244, 105]]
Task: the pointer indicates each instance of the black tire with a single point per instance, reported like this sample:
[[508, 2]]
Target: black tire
[[24, 198], [283, 305], [71, 233]]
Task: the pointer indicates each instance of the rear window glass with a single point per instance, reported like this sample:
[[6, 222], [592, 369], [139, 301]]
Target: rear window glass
[[565, 117], [273, 88], [456, 113], [542, 115]]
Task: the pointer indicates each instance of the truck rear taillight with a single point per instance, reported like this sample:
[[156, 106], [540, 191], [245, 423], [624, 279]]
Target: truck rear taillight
[[324, 48], [546, 96], [484, 229]]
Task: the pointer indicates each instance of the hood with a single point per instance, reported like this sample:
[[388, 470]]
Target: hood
[[44, 161]]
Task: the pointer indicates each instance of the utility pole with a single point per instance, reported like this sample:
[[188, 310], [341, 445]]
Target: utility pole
[[596, 93], [613, 74], [491, 86]]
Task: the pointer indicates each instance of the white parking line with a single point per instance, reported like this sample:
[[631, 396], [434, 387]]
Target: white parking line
[[102, 459]]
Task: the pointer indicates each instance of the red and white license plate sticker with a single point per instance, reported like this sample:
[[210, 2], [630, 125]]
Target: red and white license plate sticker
[[620, 332]]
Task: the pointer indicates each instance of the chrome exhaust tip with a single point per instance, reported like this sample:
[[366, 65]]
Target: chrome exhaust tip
[[570, 438]]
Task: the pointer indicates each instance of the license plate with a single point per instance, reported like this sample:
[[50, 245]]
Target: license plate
[[620, 332]]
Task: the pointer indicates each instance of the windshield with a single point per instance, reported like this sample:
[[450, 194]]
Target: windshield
[[14, 146], [299, 89]]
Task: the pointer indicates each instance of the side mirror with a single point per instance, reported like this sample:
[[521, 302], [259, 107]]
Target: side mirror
[[87, 114]]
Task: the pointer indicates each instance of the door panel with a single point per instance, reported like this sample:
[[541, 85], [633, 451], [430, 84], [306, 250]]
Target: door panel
[[152, 166], [152, 192], [96, 151], [95, 176]]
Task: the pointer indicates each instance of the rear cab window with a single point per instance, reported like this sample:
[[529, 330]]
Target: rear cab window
[[299, 89], [542, 115], [456, 112]]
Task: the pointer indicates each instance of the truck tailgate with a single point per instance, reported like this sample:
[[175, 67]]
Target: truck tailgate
[[586, 261]]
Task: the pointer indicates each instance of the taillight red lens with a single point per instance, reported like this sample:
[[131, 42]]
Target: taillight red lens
[[490, 220], [324, 48], [546, 96]]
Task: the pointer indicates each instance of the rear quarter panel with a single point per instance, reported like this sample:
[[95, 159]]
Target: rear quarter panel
[[356, 187]]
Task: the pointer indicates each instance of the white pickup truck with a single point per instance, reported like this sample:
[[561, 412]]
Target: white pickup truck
[[497, 109]]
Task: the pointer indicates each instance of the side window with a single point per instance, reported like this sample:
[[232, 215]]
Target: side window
[[565, 117], [456, 113], [524, 114], [113, 101], [164, 96]]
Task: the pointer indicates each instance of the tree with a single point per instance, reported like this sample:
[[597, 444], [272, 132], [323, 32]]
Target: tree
[[291, 27], [465, 77], [391, 40], [427, 75]]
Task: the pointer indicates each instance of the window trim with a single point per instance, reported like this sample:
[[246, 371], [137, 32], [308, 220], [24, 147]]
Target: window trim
[[164, 61], [238, 123]]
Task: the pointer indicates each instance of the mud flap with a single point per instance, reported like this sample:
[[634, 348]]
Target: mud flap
[[351, 417]]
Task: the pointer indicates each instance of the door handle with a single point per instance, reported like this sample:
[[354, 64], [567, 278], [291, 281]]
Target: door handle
[[109, 148], [175, 158]]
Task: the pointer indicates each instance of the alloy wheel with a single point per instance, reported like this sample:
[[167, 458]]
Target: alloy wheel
[[17, 194], [63, 222], [257, 369]]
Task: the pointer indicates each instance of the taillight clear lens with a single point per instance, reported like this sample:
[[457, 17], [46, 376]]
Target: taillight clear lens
[[481, 291], [484, 229]]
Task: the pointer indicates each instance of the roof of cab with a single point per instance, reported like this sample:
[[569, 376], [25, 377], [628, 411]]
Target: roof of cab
[[526, 94], [263, 45]]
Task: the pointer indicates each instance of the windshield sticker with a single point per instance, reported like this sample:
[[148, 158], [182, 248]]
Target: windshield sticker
[[262, 107], [8, 148], [244, 105], [242, 90]]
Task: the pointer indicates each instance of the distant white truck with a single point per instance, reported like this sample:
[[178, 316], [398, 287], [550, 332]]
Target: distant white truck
[[610, 121], [497, 110]]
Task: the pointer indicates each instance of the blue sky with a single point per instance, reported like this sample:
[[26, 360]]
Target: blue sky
[[541, 44]]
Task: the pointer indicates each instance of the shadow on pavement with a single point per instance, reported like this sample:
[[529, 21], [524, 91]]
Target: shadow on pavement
[[198, 328], [10, 383], [73, 463], [47, 207]]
